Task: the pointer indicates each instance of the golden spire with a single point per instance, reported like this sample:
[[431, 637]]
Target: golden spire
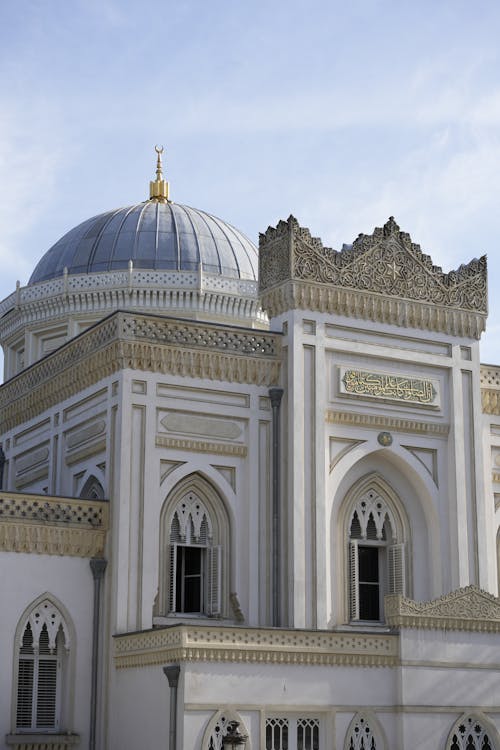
[[158, 189]]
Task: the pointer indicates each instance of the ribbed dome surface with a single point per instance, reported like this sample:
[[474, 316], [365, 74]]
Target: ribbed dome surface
[[154, 236]]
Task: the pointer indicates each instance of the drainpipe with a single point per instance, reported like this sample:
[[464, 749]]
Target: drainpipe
[[275, 395], [97, 566], [2, 464], [172, 675]]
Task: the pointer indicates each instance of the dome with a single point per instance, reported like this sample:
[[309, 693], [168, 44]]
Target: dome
[[155, 236]]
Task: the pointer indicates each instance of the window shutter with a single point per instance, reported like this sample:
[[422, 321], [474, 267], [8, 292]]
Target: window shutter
[[172, 593], [397, 577], [46, 694], [25, 693], [214, 580], [353, 580]]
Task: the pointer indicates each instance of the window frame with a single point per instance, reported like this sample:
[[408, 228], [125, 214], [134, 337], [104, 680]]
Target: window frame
[[65, 660], [216, 551], [394, 560]]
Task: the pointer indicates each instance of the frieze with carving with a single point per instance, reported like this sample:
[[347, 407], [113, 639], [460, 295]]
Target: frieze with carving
[[468, 608], [387, 262]]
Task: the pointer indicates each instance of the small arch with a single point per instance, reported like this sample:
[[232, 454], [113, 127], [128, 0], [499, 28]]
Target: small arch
[[216, 729], [365, 733], [473, 732], [92, 489]]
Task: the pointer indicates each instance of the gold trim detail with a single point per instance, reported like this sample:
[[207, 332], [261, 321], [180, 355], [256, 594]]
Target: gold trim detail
[[490, 401], [469, 609], [254, 645], [377, 421], [201, 446], [386, 386], [49, 525]]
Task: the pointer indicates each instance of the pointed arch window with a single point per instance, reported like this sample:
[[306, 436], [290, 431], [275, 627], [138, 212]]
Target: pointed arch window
[[377, 556], [471, 733], [195, 558], [364, 734], [42, 656]]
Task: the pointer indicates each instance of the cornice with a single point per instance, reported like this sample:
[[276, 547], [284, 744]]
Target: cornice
[[378, 421], [254, 645], [201, 446], [372, 306], [383, 277], [467, 609], [49, 525], [146, 343]]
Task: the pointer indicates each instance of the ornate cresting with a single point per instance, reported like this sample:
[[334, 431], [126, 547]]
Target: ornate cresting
[[467, 608], [383, 277]]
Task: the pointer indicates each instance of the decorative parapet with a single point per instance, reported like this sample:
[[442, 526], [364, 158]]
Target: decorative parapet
[[51, 525], [469, 609], [254, 645], [383, 277], [151, 291], [490, 389], [147, 343]]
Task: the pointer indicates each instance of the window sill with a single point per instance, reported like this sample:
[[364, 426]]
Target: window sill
[[41, 741], [177, 617]]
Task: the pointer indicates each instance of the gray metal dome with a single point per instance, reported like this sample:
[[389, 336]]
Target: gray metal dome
[[154, 236]]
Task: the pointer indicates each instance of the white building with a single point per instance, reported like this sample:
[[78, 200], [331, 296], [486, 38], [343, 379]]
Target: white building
[[272, 505]]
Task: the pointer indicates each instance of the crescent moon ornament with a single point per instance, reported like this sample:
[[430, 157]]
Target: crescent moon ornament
[[159, 149]]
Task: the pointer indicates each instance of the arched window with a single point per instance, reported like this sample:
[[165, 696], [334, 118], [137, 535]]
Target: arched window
[[194, 551], [217, 728], [364, 734], [471, 733], [42, 647], [377, 551]]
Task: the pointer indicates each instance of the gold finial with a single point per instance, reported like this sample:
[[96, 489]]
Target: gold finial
[[159, 188]]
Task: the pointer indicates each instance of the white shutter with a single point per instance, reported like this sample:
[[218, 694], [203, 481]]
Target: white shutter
[[25, 693], [396, 564], [172, 584], [353, 580], [46, 694], [214, 580]]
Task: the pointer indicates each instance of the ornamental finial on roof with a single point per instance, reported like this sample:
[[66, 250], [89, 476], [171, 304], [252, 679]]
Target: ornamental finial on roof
[[159, 188]]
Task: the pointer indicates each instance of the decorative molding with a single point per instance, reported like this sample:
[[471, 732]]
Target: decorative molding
[[340, 447], [145, 343], [378, 422], [202, 446], [42, 741], [51, 525], [490, 401], [228, 473], [383, 277], [428, 459], [389, 387], [254, 645], [167, 467], [469, 609], [188, 423]]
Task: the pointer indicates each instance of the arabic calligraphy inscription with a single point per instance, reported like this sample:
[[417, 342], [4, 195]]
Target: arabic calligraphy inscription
[[389, 386]]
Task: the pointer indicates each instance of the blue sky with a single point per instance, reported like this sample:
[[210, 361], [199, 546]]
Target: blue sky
[[342, 113]]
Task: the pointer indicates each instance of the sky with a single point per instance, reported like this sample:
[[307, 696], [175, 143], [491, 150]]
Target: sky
[[340, 113]]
